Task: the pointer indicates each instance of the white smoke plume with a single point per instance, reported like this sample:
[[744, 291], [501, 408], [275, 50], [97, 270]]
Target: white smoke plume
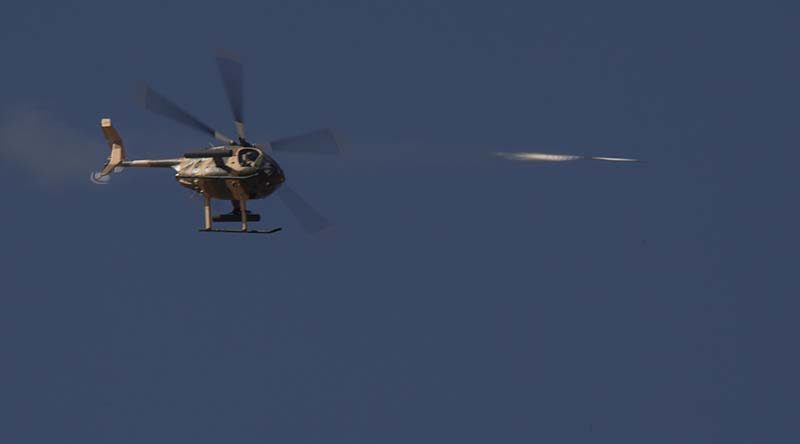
[[37, 143]]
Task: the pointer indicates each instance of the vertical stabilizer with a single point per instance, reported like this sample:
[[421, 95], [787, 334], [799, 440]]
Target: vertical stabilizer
[[117, 155]]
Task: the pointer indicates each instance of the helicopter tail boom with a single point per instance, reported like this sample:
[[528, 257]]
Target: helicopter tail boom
[[116, 159]]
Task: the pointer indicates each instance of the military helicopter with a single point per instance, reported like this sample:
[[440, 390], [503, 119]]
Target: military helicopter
[[236, 170]]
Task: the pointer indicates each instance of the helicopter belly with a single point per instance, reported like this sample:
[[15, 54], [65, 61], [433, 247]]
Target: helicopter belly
[[256, 186]]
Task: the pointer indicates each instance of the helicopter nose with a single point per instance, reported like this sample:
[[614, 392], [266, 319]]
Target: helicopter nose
[[277, 173]]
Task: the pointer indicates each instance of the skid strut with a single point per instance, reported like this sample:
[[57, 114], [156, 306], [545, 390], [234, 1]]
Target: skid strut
[[244, 218], [207, 211], [243, 210]]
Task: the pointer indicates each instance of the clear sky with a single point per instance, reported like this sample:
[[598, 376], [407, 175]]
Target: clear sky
[[460, 298]]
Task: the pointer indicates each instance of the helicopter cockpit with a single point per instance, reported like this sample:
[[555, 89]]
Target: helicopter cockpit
[[249, 157]]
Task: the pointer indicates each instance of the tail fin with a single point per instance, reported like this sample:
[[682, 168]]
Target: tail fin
[[117, 155]]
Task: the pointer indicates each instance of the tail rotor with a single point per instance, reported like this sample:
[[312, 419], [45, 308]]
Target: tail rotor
[[97, 179]]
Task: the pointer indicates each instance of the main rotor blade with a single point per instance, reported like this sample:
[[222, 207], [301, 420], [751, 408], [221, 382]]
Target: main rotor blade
[[324, 141], [159, 104], [544, 157], [230, 68], [311, 220]]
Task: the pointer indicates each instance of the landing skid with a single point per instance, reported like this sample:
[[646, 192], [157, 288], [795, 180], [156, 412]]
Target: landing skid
[[243, 216], [217, 230]]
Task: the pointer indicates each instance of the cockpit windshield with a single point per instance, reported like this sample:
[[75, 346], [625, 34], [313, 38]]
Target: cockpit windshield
[[248, 157]]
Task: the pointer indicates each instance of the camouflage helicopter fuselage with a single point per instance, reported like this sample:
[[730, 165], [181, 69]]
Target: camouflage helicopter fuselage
[[229, 172], [237, 174]]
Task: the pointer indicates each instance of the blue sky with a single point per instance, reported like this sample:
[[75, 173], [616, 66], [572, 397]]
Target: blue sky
[[460, 297]]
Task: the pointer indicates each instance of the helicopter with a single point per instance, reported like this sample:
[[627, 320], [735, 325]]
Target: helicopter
[[236, 170]]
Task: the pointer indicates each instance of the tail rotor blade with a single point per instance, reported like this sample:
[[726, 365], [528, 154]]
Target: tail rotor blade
[[159, 104], [230, 69], [311, 220]]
